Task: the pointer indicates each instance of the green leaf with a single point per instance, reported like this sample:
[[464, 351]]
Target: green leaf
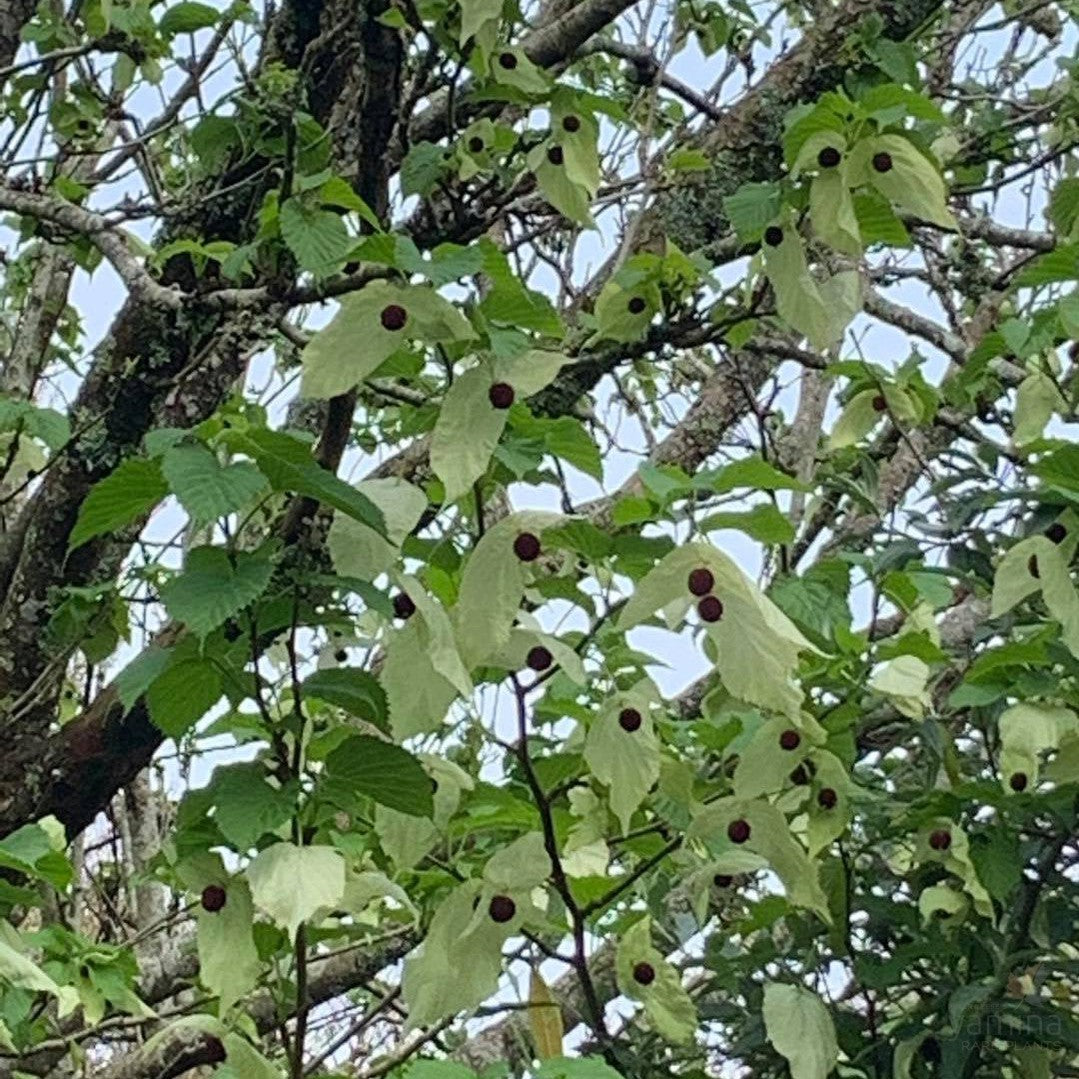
[[1064, 207], [118, 500], [857, 419], [437, 1069], [752, 207], [288, 465], [666, 1002], [912, 182], [906, 680], [18, 971], [356, 691], [46, 424], [206, 489], [576, 1068], [755, 473], [764, 523], [356, 343], [800, 1028], [568, 438], [214, 587], [368, 767], [181, 696], [1061, 264], [243, 1060], [616, 316], [187, 17], [137, 677], [877, 222], [1060, 468], [291, 884], [1014, 581], [475, 14], [317, 238], [437, 637], [424, 165], [570, 199], [246, 806], [229, 964], [37, 850], [627, 762], [523, 75], [544, 1019]]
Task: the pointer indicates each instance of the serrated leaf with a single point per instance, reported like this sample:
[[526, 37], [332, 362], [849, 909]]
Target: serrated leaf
[[246, 806], [317, 238], [423, 166], [764, 523], [368, 767], [187, 17], [356, 691], [752, 207], [877, 222], [182, 695], [800, 1028], [287, 463], [118, 500], [214, 587], [206, 489], [291, 884], [137, 677]]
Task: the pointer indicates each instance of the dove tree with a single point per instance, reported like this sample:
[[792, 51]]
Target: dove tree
[[538, 539]]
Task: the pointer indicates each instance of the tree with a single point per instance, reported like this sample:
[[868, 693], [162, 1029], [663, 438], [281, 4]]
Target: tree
[[560, 559]]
